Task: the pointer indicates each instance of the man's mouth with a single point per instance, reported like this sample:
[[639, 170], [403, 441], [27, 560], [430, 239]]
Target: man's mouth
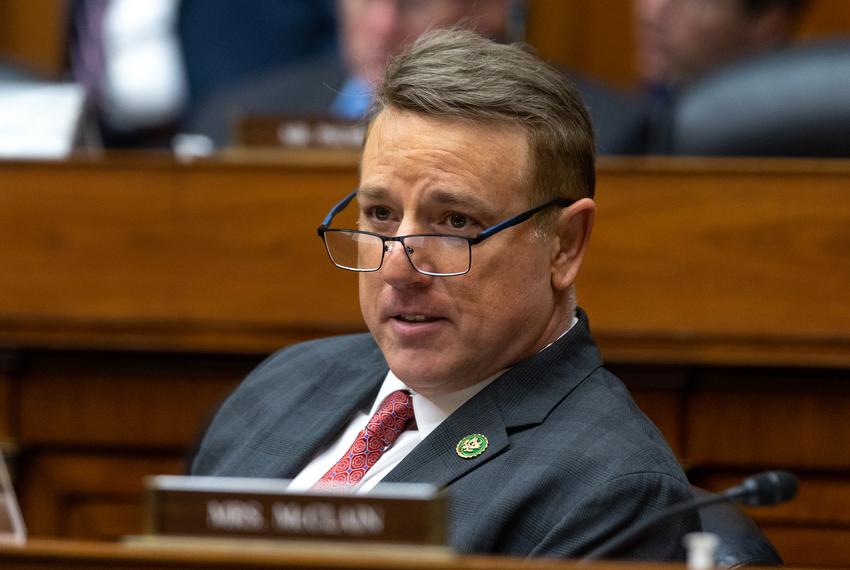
[[414, 318]]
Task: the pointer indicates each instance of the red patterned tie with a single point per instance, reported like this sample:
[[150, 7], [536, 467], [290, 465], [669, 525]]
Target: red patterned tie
[[379, 434]]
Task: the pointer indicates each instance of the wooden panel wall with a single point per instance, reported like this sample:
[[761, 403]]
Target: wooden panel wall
[[594, 38], [825, 18], [93, 424], [186, 247], [190, 262], [7, 417], [81, 480], [716, 250], [32, 33]]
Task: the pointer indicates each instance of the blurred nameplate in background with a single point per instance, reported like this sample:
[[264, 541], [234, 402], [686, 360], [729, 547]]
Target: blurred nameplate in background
[[39, 120], [398, 513], [299, 133]]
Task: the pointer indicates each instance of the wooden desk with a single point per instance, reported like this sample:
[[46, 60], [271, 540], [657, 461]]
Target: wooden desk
[[721, 262], [135, 293], [50, 555]]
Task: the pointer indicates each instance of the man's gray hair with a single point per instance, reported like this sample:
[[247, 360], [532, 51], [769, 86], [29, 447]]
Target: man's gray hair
[[459, 74]]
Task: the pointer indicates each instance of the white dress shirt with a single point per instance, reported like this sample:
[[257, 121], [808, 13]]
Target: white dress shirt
[[144, 81]]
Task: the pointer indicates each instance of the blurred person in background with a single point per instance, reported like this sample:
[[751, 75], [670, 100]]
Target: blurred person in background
[[340, 86], [679, 41], [225, 40], [371, 32], [684, 46], [146, 65]]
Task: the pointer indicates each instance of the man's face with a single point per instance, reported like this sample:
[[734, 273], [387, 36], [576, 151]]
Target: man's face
[[426, 175], [372, 31], [679, 40]]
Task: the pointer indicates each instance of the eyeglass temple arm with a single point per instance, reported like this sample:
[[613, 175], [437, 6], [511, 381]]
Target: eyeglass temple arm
[[336, 210], [563, 202]]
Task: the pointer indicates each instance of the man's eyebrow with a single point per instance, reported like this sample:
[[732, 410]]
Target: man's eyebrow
[[438, 196], [372, 192], [463, 200]]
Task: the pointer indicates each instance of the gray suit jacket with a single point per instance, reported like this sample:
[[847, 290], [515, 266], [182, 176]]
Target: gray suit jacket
[[572, 461]]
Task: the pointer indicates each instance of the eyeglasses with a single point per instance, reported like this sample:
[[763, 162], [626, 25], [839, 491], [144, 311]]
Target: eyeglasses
[[438, 255]]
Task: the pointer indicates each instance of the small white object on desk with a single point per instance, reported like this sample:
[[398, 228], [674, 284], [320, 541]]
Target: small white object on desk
[[701, 547]]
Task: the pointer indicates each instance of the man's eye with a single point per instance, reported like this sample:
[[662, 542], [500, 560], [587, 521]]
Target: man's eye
[[458, 221], [381, 213]]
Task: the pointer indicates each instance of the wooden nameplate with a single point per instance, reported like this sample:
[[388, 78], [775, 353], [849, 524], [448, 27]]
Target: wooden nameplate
[[263, 509]]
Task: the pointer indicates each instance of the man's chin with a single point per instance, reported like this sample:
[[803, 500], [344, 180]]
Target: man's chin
[[419, 369], [415, 367]]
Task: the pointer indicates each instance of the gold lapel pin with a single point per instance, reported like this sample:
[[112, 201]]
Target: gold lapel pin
[[472, 445]]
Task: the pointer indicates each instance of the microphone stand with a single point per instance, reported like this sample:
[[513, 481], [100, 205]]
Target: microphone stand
[[767, 488], [634, 532]]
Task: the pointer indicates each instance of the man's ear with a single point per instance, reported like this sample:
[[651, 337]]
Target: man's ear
[[571, 235]]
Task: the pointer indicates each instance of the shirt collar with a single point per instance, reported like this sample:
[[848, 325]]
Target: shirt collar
[[560, 336], [430, 412]]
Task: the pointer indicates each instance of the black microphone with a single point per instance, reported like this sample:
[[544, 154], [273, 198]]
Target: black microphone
[[768, 488]]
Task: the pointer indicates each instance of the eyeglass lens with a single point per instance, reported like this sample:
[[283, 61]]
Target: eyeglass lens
[[354, 250], [436, 255]]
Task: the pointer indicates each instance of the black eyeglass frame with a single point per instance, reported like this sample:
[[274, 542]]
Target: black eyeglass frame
[[485, 234]]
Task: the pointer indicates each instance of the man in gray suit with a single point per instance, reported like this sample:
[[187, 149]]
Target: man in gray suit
[[474, 211]]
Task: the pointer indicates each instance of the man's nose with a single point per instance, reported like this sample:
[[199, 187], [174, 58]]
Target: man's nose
[[397, 269]]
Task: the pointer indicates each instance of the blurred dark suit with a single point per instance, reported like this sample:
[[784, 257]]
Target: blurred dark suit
[[221, 42], [788, 102], [225, 41]]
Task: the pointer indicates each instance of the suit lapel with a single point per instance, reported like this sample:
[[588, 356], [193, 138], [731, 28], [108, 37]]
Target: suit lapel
[[435, 460], [309, 420], [522, 397]]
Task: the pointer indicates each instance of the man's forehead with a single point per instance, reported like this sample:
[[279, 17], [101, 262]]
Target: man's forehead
[[398, 122], [437, 196], [451, 161]]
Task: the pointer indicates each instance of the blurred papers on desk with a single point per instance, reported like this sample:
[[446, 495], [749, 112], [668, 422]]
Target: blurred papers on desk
[[39, 120]]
